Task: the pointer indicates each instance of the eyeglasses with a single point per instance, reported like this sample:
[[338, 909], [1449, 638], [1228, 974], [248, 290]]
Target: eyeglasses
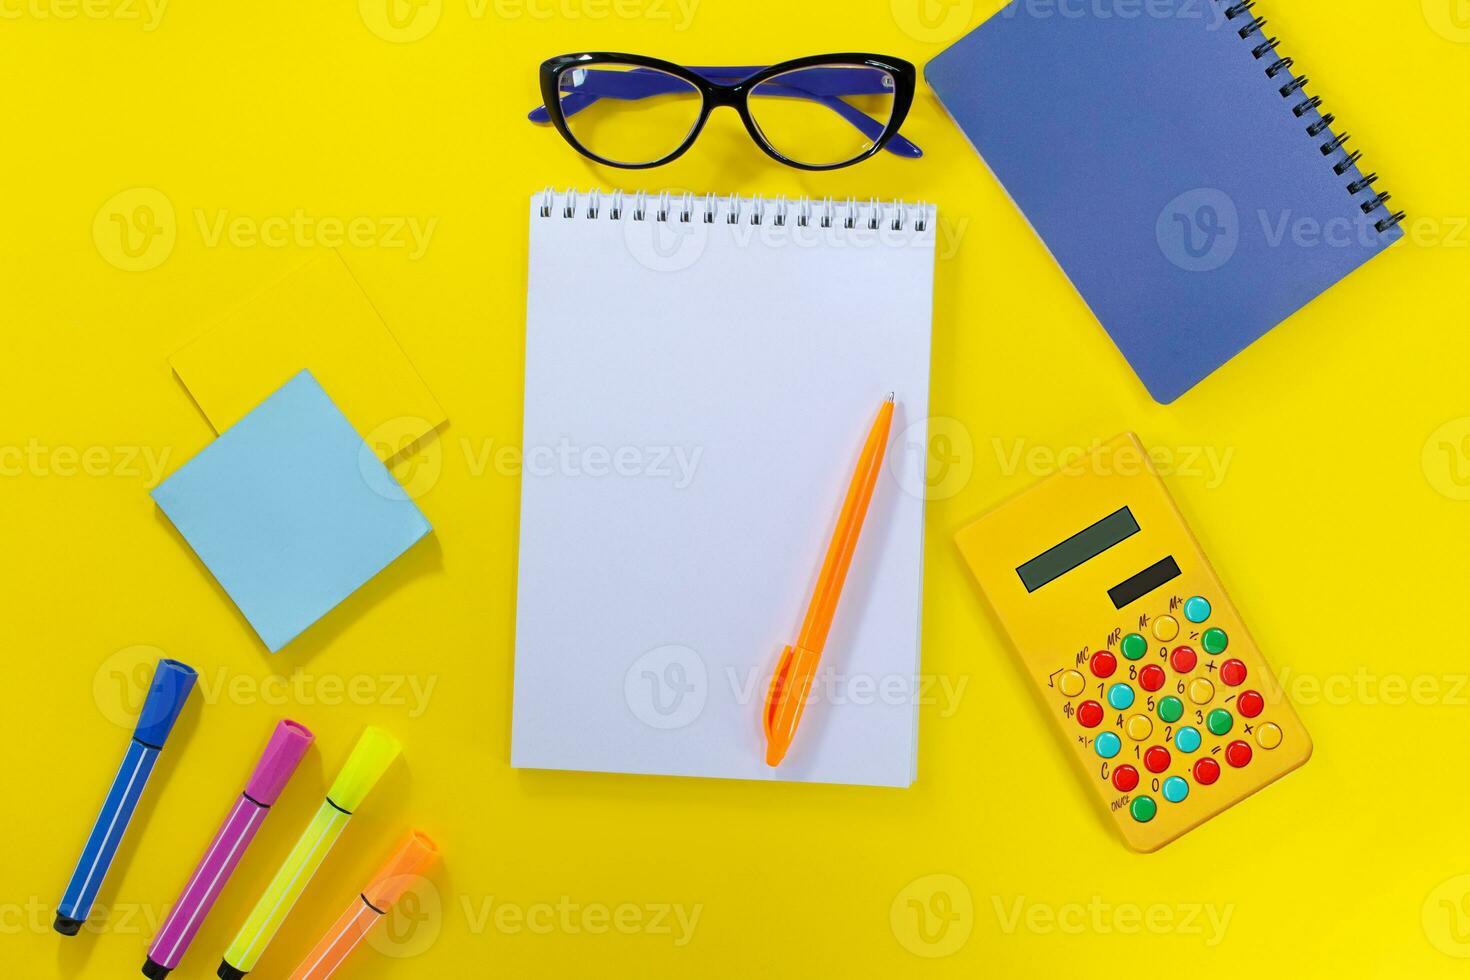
[[816, 113]]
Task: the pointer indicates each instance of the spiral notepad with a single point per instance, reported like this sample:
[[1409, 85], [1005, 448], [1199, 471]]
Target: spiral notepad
[[701, 372], [1173, 160]]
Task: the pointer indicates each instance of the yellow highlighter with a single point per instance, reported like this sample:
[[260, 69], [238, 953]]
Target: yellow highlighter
[[374, 751]]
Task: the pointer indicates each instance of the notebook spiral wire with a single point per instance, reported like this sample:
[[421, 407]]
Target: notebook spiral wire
[[1266, 47], [779, 212]]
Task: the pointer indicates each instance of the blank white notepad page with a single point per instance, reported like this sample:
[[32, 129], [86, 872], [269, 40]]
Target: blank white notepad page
[[697, 395]]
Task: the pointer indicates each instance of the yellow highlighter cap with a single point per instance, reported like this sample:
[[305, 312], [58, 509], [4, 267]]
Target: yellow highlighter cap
[[374, 752]]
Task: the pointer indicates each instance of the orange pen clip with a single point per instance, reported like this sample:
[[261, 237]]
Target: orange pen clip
[[792, 681], [404, 868]]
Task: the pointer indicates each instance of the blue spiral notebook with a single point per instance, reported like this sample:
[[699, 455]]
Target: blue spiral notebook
[[1176, 164]]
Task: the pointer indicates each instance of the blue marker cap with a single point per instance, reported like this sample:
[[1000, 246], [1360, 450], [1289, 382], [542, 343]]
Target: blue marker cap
[[170, 688]]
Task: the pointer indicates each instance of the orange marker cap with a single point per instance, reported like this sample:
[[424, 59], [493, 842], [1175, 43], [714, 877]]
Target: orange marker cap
[[395, 877]]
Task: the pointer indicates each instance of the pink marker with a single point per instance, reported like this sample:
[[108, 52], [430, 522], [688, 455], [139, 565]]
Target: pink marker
[[288, 744]]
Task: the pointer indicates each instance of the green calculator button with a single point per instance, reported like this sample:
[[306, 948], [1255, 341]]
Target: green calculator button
[[1171, 709], [1214, 641], [1135, 646], [1219, 721], [1143, 808]]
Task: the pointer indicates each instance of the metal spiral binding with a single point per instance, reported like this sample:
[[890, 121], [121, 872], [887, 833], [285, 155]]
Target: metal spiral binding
[[1295, 86], [779, 212]]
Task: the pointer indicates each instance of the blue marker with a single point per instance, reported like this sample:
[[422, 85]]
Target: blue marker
[[172, 682]]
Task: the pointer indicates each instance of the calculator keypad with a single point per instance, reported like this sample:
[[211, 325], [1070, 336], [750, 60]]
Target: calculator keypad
[[1135, 720]]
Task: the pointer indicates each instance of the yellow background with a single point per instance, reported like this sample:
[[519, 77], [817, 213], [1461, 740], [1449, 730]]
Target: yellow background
[[1337, 519]]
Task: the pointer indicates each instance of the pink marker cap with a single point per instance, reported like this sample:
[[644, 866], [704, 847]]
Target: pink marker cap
[[288, 744]]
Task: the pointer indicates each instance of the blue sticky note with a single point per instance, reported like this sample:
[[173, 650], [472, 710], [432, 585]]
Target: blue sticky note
[[290, 510]]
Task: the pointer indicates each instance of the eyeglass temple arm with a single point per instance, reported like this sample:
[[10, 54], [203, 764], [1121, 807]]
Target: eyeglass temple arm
[[820, 85]]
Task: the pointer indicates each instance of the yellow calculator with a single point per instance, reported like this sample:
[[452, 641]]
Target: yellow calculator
[[1141, 659]]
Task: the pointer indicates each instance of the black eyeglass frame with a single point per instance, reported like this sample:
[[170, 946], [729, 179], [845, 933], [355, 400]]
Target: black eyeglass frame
[[735, 95]]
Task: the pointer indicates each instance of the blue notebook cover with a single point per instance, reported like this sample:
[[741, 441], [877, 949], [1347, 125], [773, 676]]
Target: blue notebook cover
[[1175, 164]]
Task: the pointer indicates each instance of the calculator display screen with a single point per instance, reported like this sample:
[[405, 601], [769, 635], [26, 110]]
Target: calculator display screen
[[1083, 546], [1138, 585]]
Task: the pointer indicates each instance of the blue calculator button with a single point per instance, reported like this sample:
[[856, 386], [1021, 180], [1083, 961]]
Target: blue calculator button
[[1187, 739], [1108, 745], [1120, 696], [1175, 789], [1197, 609]]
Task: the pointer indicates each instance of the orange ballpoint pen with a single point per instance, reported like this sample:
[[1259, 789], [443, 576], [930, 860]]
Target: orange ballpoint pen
[[403, 869], [792, 681]]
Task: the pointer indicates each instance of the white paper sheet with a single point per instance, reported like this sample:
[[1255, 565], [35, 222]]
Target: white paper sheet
[[697, 394]]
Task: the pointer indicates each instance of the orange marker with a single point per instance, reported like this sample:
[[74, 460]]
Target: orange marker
[[793, 678], [388, 885]]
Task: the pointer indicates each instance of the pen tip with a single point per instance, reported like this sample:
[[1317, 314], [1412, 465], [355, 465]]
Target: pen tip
[[890, 396]]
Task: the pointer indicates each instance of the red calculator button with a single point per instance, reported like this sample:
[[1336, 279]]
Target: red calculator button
[[1232, 672], [1206, 771], [1125, 779], [1090, 714], [1151, 678], [1157, 758], [1103, 664], [1250, 703], [1183, 659], [1238, 754]]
